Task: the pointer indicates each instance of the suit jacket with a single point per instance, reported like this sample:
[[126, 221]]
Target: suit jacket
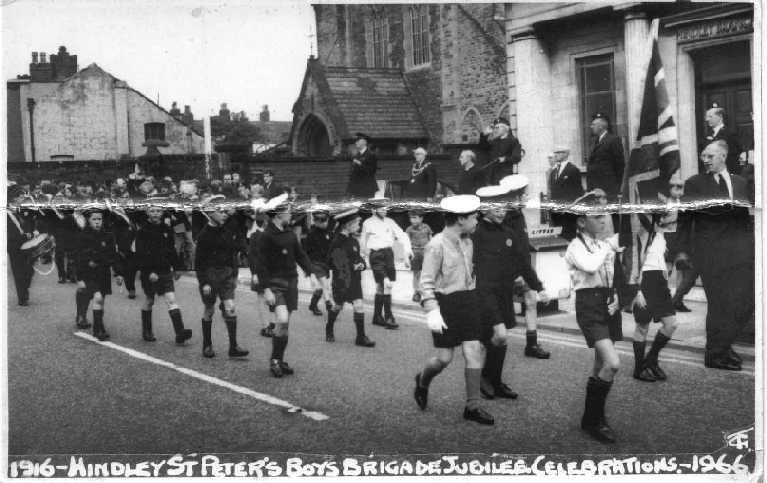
[[720, 237], [424, 184], [362, 178], [733, 145], [507, 148], [471, 180], [566, 187], [605, 165], [273, 189]]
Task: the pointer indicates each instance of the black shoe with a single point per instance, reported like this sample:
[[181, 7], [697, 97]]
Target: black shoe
[[237, 352], [131, 294], [721, 362], [681, 307], [601, 432], [24, 302], [183, 336], [364, 342], [148, 336], [734, 356], [61, 280], [645, 374], [286, 369], [504, 391], [82, 323], [102, 335], [478, 415], [416, 297], [421, 393], [390, 324], [486, 389], [314, 310], [207, 351], [330, 338], [267, 332], [275, 368], [378, 320], [537, 352], [659, 373]]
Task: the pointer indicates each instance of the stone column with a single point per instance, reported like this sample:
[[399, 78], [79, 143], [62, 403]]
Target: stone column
[[534, 121], [636, 33]]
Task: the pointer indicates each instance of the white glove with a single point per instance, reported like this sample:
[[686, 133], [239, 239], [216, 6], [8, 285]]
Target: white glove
[[435, 322]]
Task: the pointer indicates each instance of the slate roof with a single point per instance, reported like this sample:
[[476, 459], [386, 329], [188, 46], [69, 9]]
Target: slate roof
[[375, 101]]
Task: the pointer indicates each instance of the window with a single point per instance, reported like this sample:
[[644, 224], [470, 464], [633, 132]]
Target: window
[[596, 85], [377, 31], [416, 27], [154, 130]]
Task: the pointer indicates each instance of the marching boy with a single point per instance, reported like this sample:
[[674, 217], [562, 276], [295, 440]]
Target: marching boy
[[216, 264], [96, 258], [158, 261], [346, 265], [420, 234], [379, 232], [591, 264], [278, 252], [317, 246], [652, 302], [450, 302]]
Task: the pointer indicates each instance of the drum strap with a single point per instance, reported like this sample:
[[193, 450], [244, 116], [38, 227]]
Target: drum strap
[[15, 221]]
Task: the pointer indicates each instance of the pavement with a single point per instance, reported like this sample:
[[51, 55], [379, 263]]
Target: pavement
[[70, 394]]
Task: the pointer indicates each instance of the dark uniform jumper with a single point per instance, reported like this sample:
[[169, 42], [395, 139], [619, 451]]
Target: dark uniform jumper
[[96, 258], [278, 253], [216, 264], [156, 253]]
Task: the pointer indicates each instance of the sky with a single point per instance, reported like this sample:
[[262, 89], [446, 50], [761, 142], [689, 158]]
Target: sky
[[195, 52]]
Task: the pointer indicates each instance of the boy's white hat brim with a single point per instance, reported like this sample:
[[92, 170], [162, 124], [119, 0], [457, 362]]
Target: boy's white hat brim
[[515, 182], [460, 204]]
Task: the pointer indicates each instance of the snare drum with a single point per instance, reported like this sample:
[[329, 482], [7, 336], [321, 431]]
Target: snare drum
[[38, 246]]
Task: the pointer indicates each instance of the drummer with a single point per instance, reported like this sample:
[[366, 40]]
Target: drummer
[[20, 230], [96, 258]]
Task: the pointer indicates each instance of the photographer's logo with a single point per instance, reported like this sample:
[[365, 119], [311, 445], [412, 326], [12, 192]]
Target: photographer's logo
[[740, 439]]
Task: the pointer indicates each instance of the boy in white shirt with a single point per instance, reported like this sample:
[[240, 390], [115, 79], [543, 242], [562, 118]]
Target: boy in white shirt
[[653, 300], [592, 270], [379, 232]]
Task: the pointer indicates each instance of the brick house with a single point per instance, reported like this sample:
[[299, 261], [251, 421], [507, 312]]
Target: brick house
[[431, 74], [57, 113]]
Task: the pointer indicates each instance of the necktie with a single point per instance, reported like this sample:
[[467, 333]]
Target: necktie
[[722, 185], [556, 170]]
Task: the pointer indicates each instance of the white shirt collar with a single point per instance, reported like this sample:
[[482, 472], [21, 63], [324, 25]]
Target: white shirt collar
[[717, 129], [562, 165], [602, 136]]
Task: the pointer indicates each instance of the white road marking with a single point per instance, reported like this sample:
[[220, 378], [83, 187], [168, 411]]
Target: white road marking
[[314, 415]]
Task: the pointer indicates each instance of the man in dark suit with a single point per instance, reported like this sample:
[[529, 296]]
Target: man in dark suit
[[605, 164], [271, 189], [504, 150], [472, 176], [423, 177], [566, 187], [362, 179], [718, 131], [720, 240]]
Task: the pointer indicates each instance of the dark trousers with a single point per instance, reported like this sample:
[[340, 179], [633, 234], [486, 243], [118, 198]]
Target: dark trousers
[[21, 266], [730, 301], [65, 264], [130, 272]]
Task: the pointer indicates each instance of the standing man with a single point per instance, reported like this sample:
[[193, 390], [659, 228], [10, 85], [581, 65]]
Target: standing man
[[566, 187], [379, 232], [472, 176], [720, 240], [450, 301], [423, 177], [504, 150], [270, 187], [362, 179], [605, 165], [718, 131], [278, 252]]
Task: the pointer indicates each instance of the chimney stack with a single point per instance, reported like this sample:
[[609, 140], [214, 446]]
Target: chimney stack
[[34, 57], [43, 60]]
